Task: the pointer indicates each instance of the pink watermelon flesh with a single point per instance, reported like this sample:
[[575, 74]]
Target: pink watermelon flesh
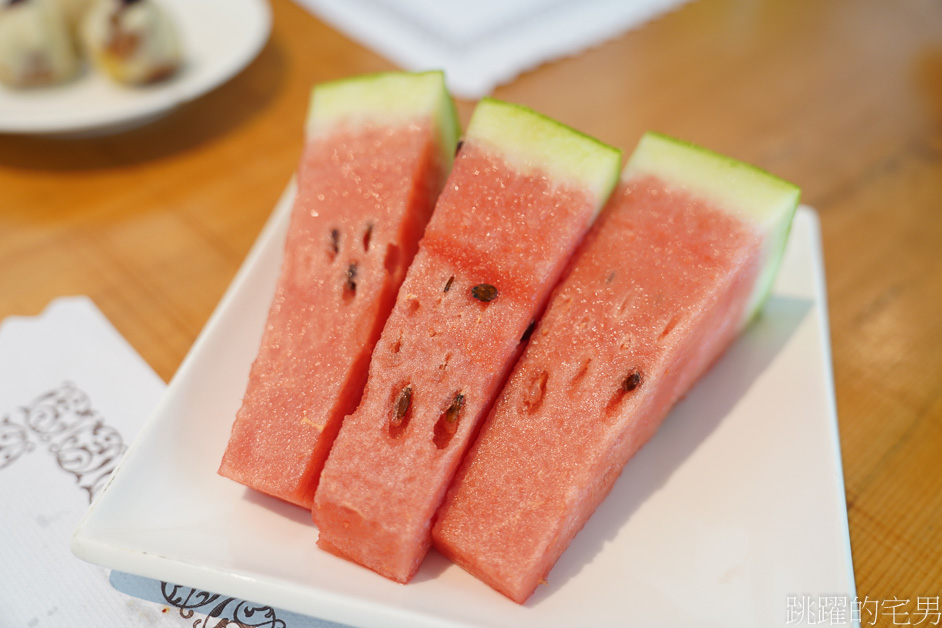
[[365, 193], [655, 295], [394, 457]]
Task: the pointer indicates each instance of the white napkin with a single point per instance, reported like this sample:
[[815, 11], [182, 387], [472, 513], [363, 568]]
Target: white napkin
[[73, 394], [484, 43]]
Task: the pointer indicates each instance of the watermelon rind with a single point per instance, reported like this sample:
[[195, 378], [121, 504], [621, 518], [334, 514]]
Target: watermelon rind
[[531, 142], [747, 192], [386, 98]]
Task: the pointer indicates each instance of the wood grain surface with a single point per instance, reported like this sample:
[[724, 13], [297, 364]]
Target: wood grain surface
[[843, 97]]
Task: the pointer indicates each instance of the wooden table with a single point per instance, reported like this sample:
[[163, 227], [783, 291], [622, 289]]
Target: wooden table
[[843, 97]]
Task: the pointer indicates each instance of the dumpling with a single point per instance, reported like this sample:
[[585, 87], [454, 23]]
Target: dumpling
[[35, 47], [133, 41]]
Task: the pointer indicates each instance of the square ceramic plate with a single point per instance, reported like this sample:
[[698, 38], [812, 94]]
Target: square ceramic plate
[[735, 506]]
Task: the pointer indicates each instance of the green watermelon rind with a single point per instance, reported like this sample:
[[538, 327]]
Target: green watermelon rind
[[386, 98], [529, 141], [745, 191]]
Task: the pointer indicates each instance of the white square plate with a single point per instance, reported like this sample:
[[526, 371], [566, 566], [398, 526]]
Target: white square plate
[[736, 505]]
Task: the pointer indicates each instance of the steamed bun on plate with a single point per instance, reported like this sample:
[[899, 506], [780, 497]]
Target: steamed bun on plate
[[35, 46], [133, 41]]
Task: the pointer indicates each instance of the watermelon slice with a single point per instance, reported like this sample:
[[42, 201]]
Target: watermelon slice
[[377, 153], [523, 193], [680, 260]]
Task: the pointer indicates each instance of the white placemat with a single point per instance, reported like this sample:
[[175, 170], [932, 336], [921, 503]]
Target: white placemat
[[484, 43]]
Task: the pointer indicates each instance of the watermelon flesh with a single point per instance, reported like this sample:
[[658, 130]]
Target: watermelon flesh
[[503, 229], [378, 152], [670, 273]]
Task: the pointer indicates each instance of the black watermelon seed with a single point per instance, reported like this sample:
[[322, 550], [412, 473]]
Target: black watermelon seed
[[335, 241], [351, 283], [402, 404], [451, 414], [447, 424], [399, 421], [633, 380], [484, 292], [448, 283]]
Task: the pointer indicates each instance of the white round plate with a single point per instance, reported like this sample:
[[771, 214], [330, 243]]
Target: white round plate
[[220, 37]]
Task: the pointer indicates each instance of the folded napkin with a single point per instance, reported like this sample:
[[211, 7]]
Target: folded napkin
[[73, 395], [484, 43]]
